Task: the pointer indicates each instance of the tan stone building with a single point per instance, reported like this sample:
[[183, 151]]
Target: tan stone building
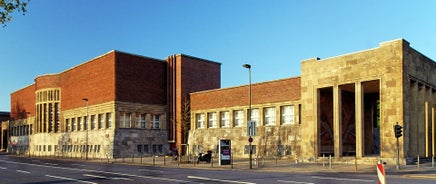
[[344, 106]]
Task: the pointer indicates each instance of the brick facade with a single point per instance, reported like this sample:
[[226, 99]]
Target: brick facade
[[116, 104]]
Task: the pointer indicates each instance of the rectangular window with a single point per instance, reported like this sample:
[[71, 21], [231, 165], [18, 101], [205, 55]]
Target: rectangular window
[[68, 125], [139, 148], [79, 120], [247, 149], [108, 120], [141, 121], [211, 119], [100, 121], [238, 118], [255, 116], [85, 123], [154, 148], [287, 115], [126, 120], [199, 120], [146, 149], [93, 122], [160, 148], [156, 122], [73, 122], [270, 116], [225, 119]]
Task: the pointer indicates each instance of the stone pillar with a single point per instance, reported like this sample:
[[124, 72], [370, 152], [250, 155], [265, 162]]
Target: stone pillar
[[421, 120], [413, 119], [359, 120], [337, 133]]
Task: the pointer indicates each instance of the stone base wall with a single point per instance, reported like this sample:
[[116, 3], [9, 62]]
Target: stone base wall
[[127, 142], [272, 141]]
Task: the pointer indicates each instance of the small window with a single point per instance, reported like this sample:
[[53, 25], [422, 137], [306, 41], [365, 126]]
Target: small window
[[146, 148], [238, 118], [225, 119], [156, 122], [287, 115], [100, 121], [199, 120], [247, 149], [139, 148], [108, 120], [270, 116], [211, 118], [141, 121]]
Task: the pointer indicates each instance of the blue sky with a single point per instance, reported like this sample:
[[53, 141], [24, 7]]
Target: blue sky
[[272, 36]]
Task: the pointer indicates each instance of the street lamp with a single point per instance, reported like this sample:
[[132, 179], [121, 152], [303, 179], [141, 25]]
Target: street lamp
[[248, 66], [86, 127]]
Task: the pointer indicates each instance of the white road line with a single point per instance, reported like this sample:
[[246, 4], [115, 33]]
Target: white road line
[[342, 179], [97, 171], [21, 171], [150, 170], [296, 182], [109, 178], [2, 167], [81, 165], [69, 179], [50, 164], [219, 180]]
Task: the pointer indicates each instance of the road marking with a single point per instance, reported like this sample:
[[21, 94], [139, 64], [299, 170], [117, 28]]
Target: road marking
[[69, 179], [97, 171], [81, 165], [150, 170], [297, 182], [108, 178], [342, 179], [219, 180], [2, 167], [21, 171], [421, 176], [50, 164]]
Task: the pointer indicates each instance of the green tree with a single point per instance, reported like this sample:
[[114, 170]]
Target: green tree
[[7, 7]]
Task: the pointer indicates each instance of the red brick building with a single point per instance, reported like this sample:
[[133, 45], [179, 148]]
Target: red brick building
[[115, 104]]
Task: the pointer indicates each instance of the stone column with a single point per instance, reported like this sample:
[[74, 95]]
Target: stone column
[[359, 120], [337, 133]]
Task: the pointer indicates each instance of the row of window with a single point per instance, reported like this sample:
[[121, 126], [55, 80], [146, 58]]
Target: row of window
[[69, 148], [211, 119], [49, 95], [21, 130], [98, 121], [146, 148], [282, 150], [139, 120]]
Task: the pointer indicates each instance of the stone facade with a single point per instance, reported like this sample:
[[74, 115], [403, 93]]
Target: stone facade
[[347, 107]]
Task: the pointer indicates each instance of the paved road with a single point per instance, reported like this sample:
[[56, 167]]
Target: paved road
[[36, 170]]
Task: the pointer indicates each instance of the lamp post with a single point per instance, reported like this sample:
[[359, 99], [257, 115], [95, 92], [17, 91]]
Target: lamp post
[[248, 66], [86, 127]]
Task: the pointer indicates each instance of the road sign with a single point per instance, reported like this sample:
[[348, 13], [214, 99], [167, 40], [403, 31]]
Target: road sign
[[250, 140], [251, 128]]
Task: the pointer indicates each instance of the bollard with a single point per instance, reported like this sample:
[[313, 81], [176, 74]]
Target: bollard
[[141, 159], [381, 173], [154, 160], [323, 160], [165, 160], [211, 161], [330, 161]]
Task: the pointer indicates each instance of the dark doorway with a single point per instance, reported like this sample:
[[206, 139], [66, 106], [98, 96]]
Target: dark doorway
[[371, 117], [348, 119], [325, 120]]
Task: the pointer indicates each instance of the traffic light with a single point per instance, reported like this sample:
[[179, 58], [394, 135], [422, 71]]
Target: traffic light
[[398, 131]]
